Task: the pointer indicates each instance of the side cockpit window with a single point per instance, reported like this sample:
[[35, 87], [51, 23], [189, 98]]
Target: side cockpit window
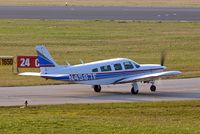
[[106, 68], [95, 70], [128, 65], [118, 66]]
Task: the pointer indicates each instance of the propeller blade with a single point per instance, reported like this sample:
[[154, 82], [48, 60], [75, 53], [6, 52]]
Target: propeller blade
[[163, 57]]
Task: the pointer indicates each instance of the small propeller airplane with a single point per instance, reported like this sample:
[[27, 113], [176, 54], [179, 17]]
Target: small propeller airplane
[[104, 72]]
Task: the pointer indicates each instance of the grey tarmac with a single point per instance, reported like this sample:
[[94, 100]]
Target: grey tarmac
[[167, 90], [97, 13]]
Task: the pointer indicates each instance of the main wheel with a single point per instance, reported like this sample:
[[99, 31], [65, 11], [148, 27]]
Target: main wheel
[[97, 88], [134, 91], [153, 88]]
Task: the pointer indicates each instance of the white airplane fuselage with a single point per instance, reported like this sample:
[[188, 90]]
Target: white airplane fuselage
[[84, 73]]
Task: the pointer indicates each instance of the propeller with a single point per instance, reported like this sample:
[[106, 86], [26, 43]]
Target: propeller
[[162, 62], [163, 57]]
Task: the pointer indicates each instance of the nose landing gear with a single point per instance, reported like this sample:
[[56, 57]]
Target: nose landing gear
[[153, 88]]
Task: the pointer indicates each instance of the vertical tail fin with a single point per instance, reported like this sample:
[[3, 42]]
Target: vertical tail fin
[[45, 59]]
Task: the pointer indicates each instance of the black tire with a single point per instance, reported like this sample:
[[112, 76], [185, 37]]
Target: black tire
[[153, 88], [97, 88], [133, 91]]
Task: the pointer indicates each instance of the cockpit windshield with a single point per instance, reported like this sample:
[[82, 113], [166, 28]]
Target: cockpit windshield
[[136, 64]]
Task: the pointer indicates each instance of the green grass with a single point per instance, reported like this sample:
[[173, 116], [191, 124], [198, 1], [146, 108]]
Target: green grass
[[97, 40], [181, 117], [149, 3]]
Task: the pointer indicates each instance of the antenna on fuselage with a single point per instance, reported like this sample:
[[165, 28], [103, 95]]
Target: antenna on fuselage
[[82, 62], [67, 63]]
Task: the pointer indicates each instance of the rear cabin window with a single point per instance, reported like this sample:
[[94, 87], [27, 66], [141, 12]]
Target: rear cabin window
[[118, 66], [95, 70], [128, 65], [105, 68]]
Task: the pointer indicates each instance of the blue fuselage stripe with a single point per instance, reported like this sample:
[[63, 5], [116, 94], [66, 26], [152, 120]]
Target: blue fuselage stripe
[[106, 75]]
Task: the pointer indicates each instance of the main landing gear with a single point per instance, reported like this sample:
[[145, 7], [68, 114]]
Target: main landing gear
[[134, 89], [97, 88]]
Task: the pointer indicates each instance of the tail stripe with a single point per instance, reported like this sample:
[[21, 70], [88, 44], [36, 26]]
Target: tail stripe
[[44, 61]]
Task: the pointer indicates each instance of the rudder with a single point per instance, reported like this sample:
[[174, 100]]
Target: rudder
[[47, 63], [44, 57]]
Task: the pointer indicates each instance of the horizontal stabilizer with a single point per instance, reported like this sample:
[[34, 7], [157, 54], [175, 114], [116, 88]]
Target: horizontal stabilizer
[[29, 74], [42, 75]]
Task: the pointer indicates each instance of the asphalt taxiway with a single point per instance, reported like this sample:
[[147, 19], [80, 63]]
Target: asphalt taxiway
[[95, 13], [168, 90], [182, 89]]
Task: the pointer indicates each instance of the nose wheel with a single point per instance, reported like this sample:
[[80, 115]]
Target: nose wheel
[[153, 88], [97, 88]]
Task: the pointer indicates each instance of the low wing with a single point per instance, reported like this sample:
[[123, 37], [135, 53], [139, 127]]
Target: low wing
[[41, 75], [148, 77]]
